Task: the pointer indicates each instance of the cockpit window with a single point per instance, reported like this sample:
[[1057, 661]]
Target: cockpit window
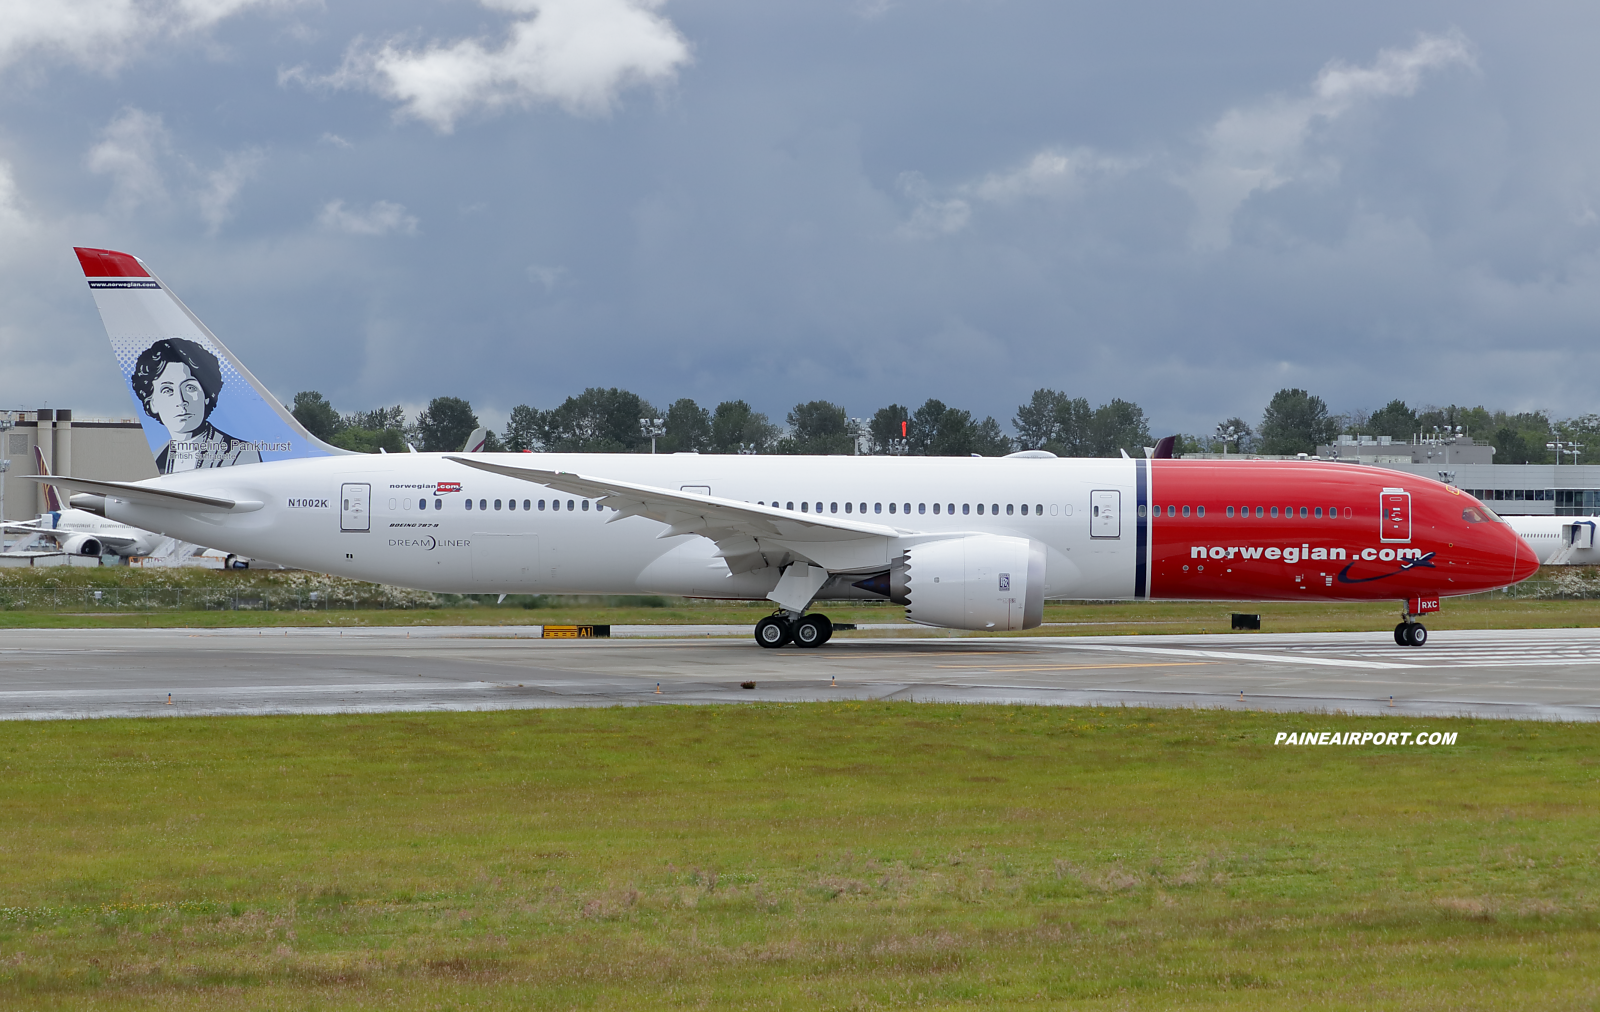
[[1472, 516]]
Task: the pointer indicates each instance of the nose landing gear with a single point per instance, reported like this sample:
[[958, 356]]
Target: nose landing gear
[[1410, 634], [808, 632]]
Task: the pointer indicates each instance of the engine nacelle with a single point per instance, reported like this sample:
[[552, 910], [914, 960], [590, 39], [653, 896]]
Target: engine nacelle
[[986, 581], [81, 544]]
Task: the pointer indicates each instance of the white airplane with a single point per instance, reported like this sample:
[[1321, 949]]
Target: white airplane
[[1559, 541], [79, 532], [967, 543]]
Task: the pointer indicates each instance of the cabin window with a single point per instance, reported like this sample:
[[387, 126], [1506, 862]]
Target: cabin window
[[950, 508], [833, 507], [541, 505], [511, 504], [469, 504], [497, 504], [863, 507], [422, 504], [1186, 511], [1199, 511], [994, 508], [790, 506], [1317, 512], [847, 507], [1172, 511], [586, 505], [569, 506], [922, 507], [936, 509], [525, 504], [1024, 509], [1258, 513], [1008, 509], [805, 507], [1304, 513], [1141, 510], [980, 509], [1230, 512], [1038, 509], [891, 507]]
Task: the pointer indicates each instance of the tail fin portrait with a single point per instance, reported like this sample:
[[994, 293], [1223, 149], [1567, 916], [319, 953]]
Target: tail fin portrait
[[52, 498], [199, 405]]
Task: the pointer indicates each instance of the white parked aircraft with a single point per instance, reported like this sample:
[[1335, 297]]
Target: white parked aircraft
[[79, 532], [1559, 541], [961, 542]]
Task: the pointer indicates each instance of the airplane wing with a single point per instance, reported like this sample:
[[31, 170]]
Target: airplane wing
[[748, 536]]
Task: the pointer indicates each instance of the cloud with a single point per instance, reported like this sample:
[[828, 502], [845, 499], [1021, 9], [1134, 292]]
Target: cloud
[[1263, 147], [382, 218], [1052, 173], [103, 34], [130, 149], [932, 215], [577, 54], [222, 186]]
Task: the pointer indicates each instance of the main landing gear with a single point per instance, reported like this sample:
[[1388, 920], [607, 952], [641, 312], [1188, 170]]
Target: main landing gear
[[808, 631]]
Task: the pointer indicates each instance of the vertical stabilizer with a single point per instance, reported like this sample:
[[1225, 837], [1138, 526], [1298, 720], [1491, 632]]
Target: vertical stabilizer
[[199, 405], [52, 498]]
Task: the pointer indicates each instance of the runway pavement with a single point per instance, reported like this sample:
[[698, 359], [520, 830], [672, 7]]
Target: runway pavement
[[72, 673]]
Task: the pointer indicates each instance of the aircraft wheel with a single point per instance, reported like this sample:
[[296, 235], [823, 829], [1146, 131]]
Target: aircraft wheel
[[1418, 636], [1402, 635], [826, 625], [812, 631], [772, 632]]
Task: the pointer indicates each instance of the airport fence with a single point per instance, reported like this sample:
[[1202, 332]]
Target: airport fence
[[83, 599]]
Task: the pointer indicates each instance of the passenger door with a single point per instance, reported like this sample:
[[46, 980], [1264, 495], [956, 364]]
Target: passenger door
[[354, 500], [1394, 515], [1105, 514]]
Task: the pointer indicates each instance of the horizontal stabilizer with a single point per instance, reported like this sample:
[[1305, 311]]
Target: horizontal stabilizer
[[145, 495]]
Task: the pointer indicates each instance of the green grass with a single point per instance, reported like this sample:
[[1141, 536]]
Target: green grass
[[818, 856]]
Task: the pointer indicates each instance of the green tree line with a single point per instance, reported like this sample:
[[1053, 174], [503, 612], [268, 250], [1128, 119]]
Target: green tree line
[[609, 420]]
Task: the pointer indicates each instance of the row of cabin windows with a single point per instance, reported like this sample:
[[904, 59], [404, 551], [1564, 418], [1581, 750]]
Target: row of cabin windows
[[509, 504], [1260, 511], [922, 507]]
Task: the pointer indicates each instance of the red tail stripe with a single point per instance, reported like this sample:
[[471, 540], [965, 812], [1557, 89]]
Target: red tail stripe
[[107, 263]]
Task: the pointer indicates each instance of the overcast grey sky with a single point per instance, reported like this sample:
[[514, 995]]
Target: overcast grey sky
[[1189, 206]]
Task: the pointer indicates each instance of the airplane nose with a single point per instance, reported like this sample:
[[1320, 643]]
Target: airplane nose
[[1524, 562]]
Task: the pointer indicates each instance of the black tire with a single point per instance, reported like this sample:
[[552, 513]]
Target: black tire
[[772, 632], [811, 632], [1419, 635], [827, 627], [1402, 636]]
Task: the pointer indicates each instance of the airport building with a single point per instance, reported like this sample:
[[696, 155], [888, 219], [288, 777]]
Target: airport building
[[1568, 490], [112, 448]]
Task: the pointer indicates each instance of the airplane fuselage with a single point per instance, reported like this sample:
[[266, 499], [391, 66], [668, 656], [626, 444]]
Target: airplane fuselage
[[1109, 529]]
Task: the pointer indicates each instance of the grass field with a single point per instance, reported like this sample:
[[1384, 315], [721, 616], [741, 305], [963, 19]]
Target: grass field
[[196, 598], [1080, 619], [831, 856]]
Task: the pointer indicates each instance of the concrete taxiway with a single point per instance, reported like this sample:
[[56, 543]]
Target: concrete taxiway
[[73, 673]]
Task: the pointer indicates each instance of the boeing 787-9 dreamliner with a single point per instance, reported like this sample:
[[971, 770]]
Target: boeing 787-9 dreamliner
[[965, 543]]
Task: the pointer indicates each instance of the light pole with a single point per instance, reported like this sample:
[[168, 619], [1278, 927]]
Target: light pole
[[652, 427], [8, 421], [1225, 433], [1565, 446]]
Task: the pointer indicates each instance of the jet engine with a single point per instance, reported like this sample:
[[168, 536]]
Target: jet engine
[[985, 581], [81, 544]]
